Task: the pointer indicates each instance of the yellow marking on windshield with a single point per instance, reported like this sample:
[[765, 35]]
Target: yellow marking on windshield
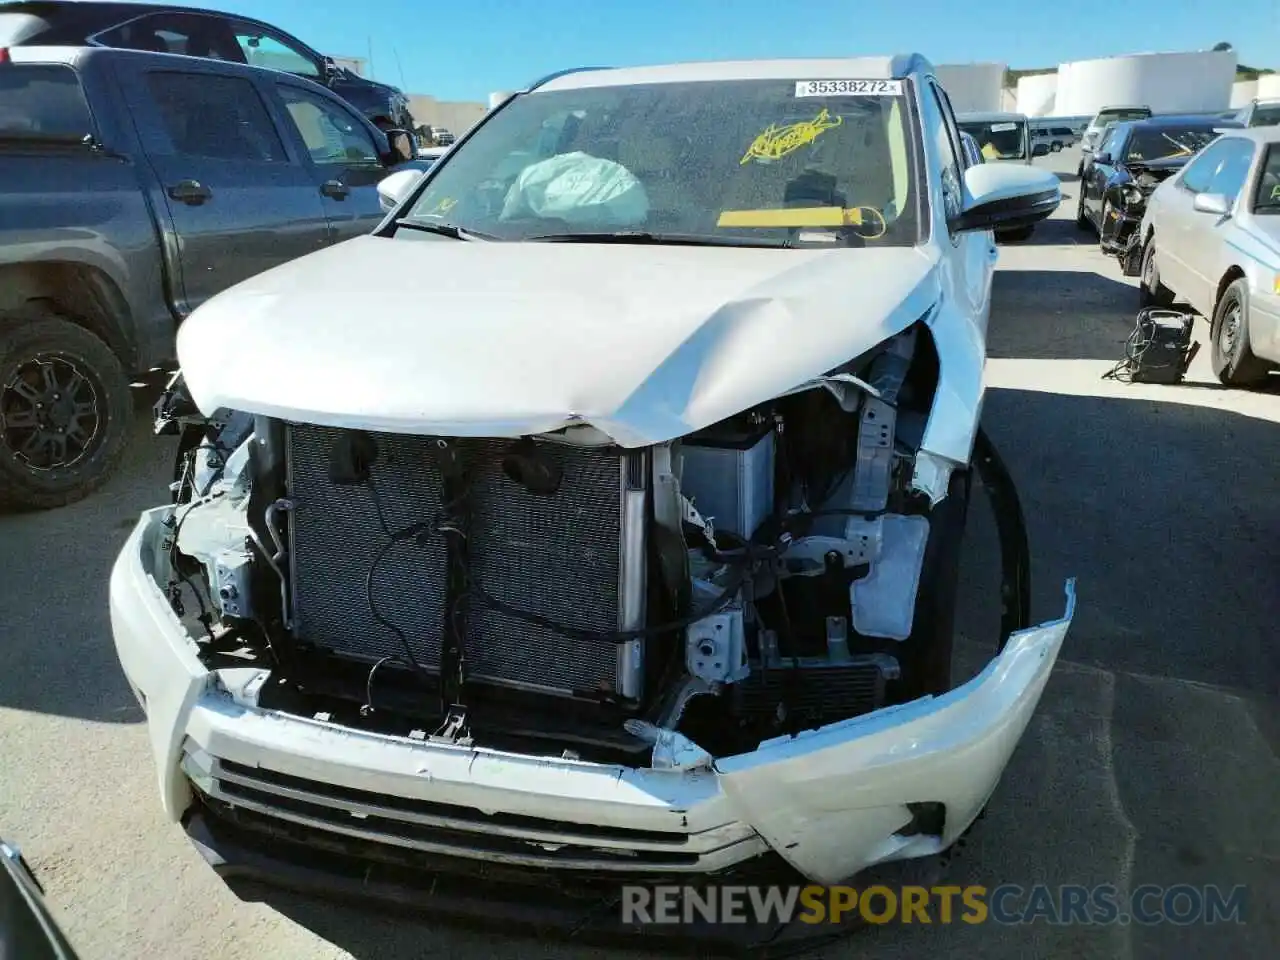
[[800, 217], [776, 142], [444, 206], [1275, 192], [792, 217]]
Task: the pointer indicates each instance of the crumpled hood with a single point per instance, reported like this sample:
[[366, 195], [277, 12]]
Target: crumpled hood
[[646, 343]]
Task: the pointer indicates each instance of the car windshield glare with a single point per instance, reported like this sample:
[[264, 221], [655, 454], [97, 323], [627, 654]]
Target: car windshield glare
[[1268, 198], [1168, 143], [999, 140], [720, 162]]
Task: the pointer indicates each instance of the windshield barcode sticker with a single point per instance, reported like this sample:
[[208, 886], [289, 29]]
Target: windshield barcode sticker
[[855, 88]]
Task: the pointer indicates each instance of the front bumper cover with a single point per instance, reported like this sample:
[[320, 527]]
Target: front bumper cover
[[830, 802]]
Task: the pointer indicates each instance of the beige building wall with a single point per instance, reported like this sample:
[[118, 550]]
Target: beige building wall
[[454, 115]]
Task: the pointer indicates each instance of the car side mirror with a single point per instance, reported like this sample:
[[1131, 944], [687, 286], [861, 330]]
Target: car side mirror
[[393, 189], [1006, 195], [1211, 203], [1040, 150], [1103, 158], [400, 147]]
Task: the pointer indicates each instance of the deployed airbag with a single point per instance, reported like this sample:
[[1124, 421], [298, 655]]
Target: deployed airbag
[[580, 189]]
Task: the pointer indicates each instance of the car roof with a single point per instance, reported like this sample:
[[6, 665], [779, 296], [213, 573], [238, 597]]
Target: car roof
[[1184, 120], [74, 56], [93, 16], [101, 11], [990, 116], [860, 68], [1123, 106], [1256, 134]]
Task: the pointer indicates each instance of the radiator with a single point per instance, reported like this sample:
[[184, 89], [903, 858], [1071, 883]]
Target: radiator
[[576, 557]]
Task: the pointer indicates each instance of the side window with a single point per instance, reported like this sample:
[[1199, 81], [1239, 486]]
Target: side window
[[1198, 175], [261, 49], [950, 152], [218, 118], [1231, 174], [1111, 144], [44, 102], [331, 134], [192, 35]]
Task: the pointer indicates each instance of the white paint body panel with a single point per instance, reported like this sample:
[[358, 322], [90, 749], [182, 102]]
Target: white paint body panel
[[1196, 252], [829, 801], [645, 343]]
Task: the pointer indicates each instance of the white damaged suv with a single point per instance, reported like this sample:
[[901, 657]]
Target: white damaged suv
[[599, 516]]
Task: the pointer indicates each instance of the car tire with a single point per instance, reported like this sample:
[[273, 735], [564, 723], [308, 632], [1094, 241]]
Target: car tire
[[927, 653], [1103, 214], [58, 379], [1234, 362], [1056, 147], [1151, 291], [1082, 218]]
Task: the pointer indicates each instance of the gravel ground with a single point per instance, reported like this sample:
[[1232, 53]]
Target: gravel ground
[[1152, 758]]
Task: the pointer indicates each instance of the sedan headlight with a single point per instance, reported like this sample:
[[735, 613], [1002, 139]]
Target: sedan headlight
[[1133, 196]]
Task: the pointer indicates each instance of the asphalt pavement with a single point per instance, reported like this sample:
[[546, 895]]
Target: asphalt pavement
[[1153, 757]]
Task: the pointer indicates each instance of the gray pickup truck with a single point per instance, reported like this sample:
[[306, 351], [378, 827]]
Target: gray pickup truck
[[133, 187]]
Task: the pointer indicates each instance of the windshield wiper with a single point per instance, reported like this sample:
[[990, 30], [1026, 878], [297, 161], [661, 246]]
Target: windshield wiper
[[647, 237], [443, 229]]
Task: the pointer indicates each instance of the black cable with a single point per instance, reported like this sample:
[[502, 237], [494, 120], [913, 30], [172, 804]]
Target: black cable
[[723, 600], [407, 533]]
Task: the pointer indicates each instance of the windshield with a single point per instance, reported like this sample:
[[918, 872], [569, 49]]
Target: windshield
[[1170, 143], [750, 162], [998, 141], [1268, 198], [1119, 116], [1265, 116]]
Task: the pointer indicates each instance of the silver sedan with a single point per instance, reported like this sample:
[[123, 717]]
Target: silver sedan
[[1211, 236]]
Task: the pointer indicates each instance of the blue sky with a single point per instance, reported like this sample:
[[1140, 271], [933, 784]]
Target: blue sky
[[462, 50]]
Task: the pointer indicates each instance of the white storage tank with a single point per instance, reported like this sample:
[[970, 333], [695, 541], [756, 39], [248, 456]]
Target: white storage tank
[[1242, 91], [972, 87], [1193, 82], [1037, 94], [1268, 86]]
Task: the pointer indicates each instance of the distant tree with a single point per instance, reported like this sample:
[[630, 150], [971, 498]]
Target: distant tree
[[1223, 46]]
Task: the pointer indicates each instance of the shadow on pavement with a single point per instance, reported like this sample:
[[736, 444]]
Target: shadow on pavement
[[1138, 768], [1060, 315], [1061, 232], [58, 653]]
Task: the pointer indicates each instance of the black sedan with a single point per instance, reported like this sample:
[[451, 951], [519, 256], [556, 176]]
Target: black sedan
[[1129, 163]]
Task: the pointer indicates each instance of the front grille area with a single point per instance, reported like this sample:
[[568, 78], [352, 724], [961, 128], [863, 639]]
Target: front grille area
[[558, 556], [431, 828]]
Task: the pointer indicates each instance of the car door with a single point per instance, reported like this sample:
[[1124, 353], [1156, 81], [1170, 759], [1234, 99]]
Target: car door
[[970, 266], [1094, 182], [1205, 257], [341, 154], [1176, 231], [238, 199]]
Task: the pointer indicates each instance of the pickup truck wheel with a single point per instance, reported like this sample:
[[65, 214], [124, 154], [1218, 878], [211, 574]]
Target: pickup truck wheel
[[65, 409]]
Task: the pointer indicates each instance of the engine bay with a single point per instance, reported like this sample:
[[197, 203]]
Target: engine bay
[[562, 595]]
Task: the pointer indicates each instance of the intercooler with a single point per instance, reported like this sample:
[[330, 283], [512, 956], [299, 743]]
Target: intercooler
[[574, 557]]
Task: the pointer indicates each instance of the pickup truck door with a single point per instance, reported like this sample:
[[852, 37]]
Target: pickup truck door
[[341, 154], [239, 200]]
